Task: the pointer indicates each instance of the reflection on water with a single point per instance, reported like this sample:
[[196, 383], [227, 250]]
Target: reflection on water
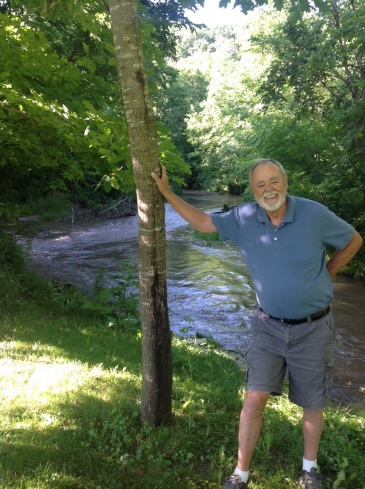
[[209, 292], [209, 289]]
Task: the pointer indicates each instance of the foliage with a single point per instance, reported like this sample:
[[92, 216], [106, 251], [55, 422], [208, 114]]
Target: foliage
[[166, 18], [116, 303], [182, 94], [56, 129], [297, 7], [215, 127], [206, 238], [61, 121], [12, 258], [52, 206], [16, 281], [317, 73]]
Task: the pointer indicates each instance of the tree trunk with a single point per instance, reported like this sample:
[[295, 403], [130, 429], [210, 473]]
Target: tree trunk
[[156, 336]]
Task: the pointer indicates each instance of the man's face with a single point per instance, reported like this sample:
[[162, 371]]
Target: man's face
[[269, 186]]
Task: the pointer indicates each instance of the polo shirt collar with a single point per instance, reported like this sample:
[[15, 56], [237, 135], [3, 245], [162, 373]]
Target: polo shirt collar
[[289, 213]]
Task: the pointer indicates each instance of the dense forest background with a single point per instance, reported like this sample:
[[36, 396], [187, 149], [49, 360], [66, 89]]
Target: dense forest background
[[281, 85]]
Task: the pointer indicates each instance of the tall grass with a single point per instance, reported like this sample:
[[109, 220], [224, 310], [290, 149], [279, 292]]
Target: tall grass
[[69, 417]]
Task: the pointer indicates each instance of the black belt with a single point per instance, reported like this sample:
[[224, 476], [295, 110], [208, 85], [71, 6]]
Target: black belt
[[313, 317]]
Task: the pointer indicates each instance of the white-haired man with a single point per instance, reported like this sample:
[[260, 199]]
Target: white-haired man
[[283, 241]]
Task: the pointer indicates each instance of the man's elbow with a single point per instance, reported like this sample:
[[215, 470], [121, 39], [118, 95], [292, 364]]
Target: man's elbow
[[206, 225], [355, 244], [358, 241]]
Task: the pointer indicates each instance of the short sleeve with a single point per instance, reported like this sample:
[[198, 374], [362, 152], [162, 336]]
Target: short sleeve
[[335, 231]]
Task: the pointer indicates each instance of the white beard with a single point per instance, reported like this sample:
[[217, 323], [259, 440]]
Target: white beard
[[276, 205]]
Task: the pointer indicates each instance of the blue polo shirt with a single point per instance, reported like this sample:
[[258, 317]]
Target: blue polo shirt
[[287, 263]]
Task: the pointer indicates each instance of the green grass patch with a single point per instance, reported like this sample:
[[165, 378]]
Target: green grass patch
[[207, 238], [51, 207]]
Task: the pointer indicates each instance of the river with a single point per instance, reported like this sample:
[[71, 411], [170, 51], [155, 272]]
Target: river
[[209, 289]]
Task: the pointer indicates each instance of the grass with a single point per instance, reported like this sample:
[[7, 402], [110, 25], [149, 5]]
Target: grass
[[69, 418]]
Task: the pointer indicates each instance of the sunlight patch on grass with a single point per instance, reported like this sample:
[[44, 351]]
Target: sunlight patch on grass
[[41, 388], [16, 349], [38, 381]]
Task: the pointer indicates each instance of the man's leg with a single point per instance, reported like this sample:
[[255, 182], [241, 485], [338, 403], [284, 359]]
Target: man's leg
[[250, 426], [313, 420], [312, 430]]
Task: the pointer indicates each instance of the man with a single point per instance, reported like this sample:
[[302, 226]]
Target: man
[[283, 241]]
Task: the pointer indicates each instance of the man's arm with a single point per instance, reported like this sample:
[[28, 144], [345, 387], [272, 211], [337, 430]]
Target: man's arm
[[198, 219], [342, 257]]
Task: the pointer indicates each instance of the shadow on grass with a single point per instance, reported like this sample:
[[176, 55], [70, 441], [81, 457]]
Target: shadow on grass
[[70, 336]]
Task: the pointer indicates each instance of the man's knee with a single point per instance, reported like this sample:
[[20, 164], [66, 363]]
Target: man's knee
[[255, 402]]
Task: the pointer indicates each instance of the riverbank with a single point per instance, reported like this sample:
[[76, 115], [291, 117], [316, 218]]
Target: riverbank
[[69, 391]]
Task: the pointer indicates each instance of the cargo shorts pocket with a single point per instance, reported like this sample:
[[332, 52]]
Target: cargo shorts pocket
[[328, 323], [328, 373]]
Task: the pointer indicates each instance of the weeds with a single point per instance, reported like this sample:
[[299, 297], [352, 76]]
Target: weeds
[[118, 304]]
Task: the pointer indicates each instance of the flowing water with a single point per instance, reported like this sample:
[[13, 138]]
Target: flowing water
[[209, 288]]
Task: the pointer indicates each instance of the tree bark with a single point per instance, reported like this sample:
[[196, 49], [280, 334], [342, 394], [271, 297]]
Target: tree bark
[[156, 336]]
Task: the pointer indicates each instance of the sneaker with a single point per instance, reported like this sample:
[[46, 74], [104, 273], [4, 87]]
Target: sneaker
[[310, 480], [234, 482]]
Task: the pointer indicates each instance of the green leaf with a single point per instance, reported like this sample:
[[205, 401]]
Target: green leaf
[[87, 63], [89, 106], [323, 6], [106, 185], [279, 4], [114, 183], [109, 47], [86, 48]]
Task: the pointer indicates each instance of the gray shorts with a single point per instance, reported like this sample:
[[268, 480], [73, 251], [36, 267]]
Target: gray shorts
[[303, 351]]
